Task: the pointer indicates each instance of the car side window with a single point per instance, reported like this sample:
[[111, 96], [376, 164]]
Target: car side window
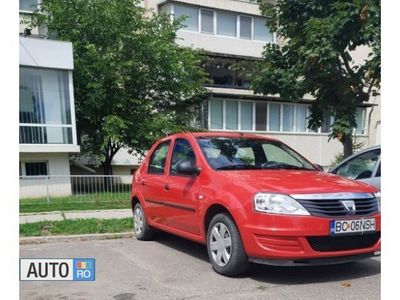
[[158, 159], [361, 166], [182, 151], [378, 171]]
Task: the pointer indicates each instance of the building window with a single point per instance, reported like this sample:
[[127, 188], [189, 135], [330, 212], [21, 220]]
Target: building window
[[288, 117], [246, 116], [36, 168], [223, 23], [245, 27], [27, 5], [360, 120], [261, 31], [216, 114], [191, 15], [274, 117], [261, 116], [327, 121], [301, 118], [231, 115], [207, 21], [44, 106], [226, 24], [225, 72]]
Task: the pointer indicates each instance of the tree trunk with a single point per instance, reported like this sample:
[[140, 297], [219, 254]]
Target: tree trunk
[[347, 142], [107, 170]]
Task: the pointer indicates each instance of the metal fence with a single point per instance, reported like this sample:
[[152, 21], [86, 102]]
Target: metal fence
[[74, 188]]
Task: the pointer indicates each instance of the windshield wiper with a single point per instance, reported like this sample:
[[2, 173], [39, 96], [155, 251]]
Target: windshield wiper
[[278, 165], [238, 167]]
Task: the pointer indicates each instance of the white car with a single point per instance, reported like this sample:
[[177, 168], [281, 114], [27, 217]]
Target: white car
[[364, 166]]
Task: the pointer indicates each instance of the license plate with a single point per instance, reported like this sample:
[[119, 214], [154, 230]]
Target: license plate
[[352, 226]]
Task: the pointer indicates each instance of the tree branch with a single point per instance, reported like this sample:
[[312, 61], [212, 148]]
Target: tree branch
[[371, 85], [347, 65]]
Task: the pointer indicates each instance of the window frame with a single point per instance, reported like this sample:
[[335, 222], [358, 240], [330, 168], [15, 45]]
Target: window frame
[[166, 158], [172, 154], [215, 23], [308, 131], [30, 12], [213, 20], [71, 102], [23, 167]]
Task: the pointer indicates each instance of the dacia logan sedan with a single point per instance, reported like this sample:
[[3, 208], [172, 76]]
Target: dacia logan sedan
[[251, 198]]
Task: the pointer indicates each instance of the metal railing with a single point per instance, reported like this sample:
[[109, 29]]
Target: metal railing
[[74, 188]]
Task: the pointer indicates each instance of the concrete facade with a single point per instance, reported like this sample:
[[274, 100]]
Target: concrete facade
[[59, 182], [47, 112], [315, 146]]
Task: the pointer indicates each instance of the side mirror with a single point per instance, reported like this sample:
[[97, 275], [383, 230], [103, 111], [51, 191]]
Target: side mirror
[[319, 167], [186, 167]]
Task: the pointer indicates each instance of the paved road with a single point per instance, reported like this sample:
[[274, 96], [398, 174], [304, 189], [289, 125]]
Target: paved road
[[173, 268]]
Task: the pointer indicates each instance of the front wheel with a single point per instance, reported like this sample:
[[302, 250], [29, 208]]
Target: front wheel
[[225, 247], [141, 229]]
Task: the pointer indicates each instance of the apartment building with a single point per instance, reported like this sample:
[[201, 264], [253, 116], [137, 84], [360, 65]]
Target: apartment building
[[47, 127], [232, 31]]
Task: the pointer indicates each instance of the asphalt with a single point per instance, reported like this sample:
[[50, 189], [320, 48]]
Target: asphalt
[[173, 268], [71, 215]]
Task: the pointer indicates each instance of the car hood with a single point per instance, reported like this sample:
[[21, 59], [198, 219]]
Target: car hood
[[295, 182]]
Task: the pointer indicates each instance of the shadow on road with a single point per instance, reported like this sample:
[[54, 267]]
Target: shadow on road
[[281, 275]]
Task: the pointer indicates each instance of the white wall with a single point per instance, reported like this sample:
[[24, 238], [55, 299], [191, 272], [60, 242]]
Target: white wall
[[220, 44], [45, 53], [315, 147], [58, 164]]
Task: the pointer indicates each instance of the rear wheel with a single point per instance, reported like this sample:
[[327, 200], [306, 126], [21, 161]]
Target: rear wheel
[[141, 229], [225, 247]]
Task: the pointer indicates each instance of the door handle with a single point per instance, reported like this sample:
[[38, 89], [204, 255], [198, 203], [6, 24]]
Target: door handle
[[142, 182], [166, 187]]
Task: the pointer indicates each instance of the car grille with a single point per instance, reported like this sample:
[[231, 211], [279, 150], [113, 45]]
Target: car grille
[[335, 208], [342, 243]]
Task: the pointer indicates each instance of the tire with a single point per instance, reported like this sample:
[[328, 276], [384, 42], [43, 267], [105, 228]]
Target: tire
[[226, 260], [141, 229]]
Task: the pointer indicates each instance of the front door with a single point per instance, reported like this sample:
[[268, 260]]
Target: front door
[[153, 183], [182, 191]]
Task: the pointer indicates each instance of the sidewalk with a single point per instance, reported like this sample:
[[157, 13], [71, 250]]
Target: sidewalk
[[71, 215]]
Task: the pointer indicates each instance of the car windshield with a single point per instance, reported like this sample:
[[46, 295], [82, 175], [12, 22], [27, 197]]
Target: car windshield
[[224, 153]]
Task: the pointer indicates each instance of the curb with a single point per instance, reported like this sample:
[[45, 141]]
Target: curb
[[75, 211], [74, 238]]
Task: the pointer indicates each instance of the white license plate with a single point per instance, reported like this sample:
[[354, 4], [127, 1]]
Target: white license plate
[[352, 226]]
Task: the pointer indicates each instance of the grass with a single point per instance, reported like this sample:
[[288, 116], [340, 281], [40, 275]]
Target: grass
[[80, 226], [75, 202]]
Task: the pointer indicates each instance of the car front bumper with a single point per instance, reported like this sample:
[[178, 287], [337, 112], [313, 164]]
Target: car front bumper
[[304, 240]]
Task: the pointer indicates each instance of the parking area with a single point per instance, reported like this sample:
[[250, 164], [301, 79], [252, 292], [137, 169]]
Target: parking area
[[172, 268]]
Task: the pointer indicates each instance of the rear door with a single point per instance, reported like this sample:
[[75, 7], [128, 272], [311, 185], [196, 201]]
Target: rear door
[[153, 183], [182, 191]]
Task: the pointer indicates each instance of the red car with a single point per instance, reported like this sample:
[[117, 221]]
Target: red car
[[251, 198]]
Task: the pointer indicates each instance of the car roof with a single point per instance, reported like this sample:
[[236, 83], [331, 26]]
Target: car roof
[[222, 134]]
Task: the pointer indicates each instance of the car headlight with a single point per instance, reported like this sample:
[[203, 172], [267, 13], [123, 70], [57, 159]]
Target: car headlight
[[278, 204], [378, 199]]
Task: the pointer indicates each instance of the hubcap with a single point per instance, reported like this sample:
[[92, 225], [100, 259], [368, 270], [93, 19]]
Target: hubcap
[[138, 221], [220, 244]]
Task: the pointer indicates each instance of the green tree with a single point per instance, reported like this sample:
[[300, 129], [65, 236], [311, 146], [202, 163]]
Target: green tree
[[132, 82], [321, 39]]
